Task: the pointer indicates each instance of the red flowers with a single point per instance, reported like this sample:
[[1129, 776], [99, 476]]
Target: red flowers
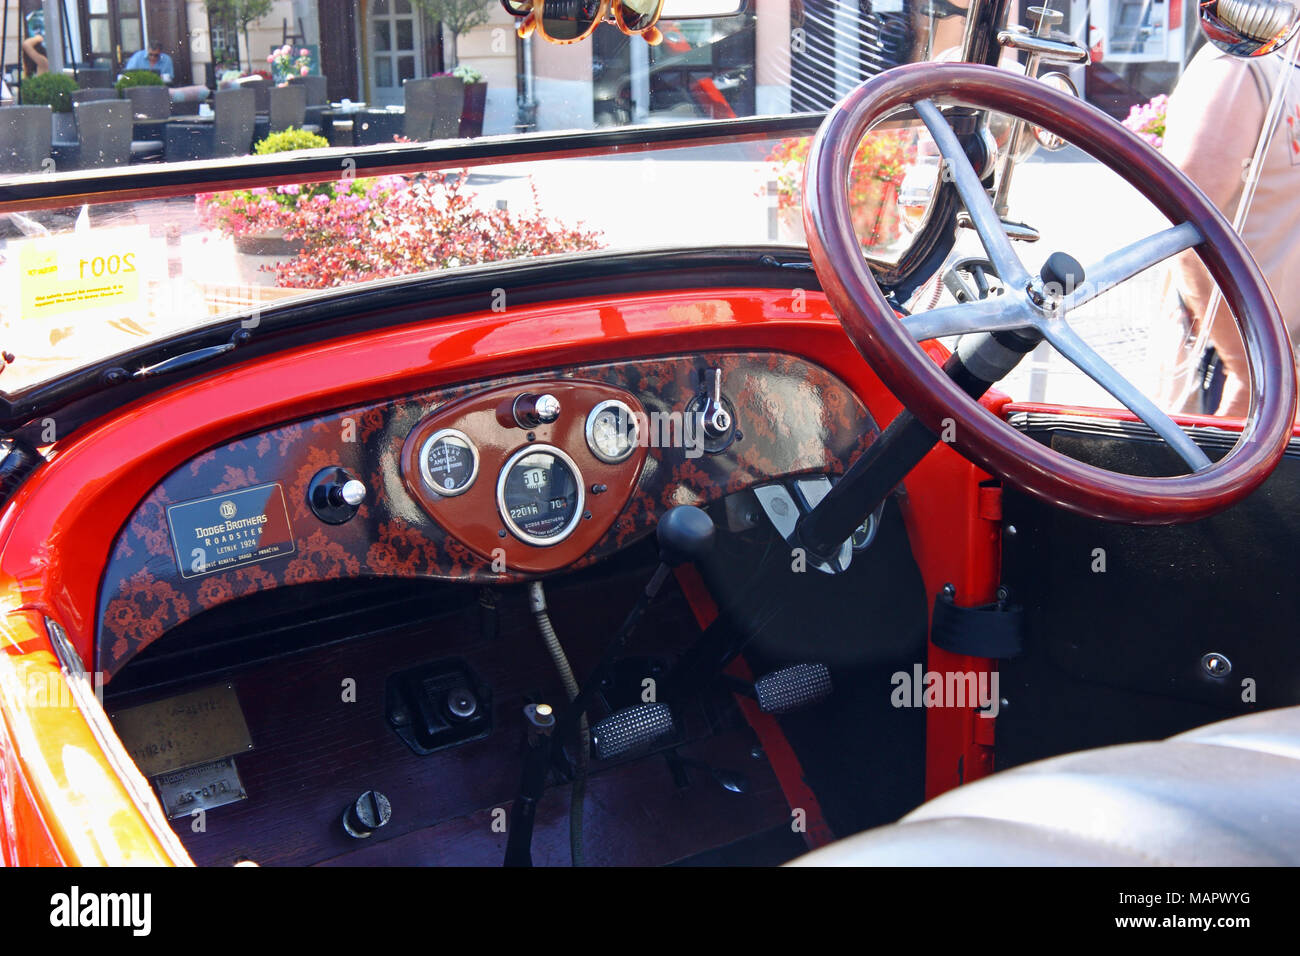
[[376, 228], [879, 165]]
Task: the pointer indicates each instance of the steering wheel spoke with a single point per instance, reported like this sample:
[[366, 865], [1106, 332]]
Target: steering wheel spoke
[[934, 394], [1068, 342], [997, 313], [1137, 257], [988, 225]]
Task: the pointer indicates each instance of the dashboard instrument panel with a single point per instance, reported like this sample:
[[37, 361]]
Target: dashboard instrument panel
[[481, 482], [536, 496]]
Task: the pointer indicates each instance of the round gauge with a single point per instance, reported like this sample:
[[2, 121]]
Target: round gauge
[[540, 495], [449, 462], [612, 432]]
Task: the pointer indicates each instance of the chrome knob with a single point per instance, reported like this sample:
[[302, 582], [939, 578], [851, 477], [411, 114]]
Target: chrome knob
[[353, 492], [334, 494], [548, 408], [530, 410]]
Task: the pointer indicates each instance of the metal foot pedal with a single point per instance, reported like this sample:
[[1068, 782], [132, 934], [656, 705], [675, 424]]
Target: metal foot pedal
[[791, 688], [630, 729]]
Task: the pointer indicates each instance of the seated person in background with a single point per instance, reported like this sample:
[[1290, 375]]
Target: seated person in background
[[153, 59]]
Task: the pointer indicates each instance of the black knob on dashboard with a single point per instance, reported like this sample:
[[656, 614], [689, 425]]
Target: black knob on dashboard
[[335, 494], [685, 534]]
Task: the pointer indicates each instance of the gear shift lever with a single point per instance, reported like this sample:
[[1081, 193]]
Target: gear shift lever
[[685, 534]]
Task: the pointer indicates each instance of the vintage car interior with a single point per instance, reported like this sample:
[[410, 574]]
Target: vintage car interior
[[662, 555]]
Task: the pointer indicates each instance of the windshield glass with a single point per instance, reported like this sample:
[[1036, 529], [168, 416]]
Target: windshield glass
[[131, 85]]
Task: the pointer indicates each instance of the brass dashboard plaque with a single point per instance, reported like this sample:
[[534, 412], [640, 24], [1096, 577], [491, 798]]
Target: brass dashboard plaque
[[183, 731]]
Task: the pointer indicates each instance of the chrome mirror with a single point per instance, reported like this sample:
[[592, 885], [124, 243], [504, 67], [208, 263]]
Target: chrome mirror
[[1249, 27]]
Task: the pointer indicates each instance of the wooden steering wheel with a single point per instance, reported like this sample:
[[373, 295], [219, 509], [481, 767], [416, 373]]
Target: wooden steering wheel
[[889, 343]]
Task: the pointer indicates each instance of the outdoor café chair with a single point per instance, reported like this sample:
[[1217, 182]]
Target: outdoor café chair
[[103, 134], [229, 133], [90, 94], [433, 106], [94, 76], [289, 109], [25, 138]]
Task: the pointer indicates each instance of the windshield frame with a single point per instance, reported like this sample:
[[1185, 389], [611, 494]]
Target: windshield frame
[[147, 182]]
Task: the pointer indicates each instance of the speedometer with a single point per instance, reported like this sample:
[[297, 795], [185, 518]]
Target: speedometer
[[449, 462], [540, 495]]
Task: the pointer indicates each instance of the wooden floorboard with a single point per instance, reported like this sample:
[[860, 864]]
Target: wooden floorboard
[[314, 753]]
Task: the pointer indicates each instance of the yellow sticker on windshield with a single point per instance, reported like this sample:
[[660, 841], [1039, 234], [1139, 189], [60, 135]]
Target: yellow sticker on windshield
[[75, 273]]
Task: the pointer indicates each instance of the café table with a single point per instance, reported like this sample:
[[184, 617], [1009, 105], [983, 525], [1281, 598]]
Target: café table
[[361, 127]]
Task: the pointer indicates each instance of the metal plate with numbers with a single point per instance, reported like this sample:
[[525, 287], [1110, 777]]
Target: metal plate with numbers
[[203, 787], [194, 728]]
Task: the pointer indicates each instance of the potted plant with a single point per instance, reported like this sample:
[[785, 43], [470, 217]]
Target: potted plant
[[55, 91], [136, 78], [256, 219], [457, 17], [475, 103], [881, 161], [287, 62]]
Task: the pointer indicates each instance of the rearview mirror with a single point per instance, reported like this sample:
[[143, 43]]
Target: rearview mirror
[[698, 9], [1249, 27]]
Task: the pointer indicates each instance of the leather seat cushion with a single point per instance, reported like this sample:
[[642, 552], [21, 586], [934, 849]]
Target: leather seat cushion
[[1227, 794]]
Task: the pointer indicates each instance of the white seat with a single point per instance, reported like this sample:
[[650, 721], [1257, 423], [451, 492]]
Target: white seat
[[1227, 794]]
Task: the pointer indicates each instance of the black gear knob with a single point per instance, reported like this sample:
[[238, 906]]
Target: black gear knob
[[685, 534], [1061, 273]]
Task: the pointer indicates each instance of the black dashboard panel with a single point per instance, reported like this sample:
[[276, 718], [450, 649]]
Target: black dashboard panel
[[237, 519], [1120, 618]]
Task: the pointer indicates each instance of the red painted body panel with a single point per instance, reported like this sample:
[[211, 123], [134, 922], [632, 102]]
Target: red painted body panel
[[57, 532]]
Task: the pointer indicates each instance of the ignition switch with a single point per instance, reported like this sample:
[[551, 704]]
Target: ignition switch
[[712, 413], [717, 420]]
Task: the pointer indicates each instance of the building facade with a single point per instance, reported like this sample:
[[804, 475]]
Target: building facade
[[794, 55]]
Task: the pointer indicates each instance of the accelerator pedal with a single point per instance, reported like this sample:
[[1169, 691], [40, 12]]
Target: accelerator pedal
[[631, 729], [793, 688]]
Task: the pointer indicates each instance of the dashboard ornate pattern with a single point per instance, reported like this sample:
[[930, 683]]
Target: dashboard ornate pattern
[[792, 417]]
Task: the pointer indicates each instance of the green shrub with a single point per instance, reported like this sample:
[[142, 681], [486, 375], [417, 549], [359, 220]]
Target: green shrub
[[288, 140], [49, 89], [138, 78], [467, 74]]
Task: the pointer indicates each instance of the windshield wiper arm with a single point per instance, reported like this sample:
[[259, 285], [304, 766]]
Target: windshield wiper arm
[[182, 361]]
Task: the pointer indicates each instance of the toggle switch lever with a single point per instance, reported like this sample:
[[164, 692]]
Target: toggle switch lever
[[717, 420]]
